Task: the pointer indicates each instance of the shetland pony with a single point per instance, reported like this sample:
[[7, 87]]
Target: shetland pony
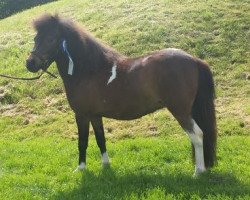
[[100, 82]]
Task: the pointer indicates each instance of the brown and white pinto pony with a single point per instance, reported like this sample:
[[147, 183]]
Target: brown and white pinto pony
[[100, 82]]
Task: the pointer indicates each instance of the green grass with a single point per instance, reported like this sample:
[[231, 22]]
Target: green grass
[[150, 156], [144, 168]]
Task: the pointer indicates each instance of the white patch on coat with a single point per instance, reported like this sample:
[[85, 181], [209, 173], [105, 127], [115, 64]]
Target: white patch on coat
[[113, 74], [145, 59], [105, 158], [173, 49], [196, 136]]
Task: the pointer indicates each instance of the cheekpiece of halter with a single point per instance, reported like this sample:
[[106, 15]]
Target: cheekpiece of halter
[[71, 63]]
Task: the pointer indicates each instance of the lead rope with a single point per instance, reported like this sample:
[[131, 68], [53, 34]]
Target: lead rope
[[28, 79]]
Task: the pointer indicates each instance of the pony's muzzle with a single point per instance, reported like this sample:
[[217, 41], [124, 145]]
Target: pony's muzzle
[[32, 64]]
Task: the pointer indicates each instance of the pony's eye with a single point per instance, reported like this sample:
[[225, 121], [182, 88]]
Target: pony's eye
[[50, 40]]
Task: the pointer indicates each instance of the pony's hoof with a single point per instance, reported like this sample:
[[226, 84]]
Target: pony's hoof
[[106, 164], [80, 167], [105, 159], [198, 172]]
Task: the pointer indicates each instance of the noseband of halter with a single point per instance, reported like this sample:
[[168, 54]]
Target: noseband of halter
[[71, 63]]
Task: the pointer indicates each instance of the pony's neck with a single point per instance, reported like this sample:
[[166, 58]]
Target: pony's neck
[[88, 55], [83, 69]]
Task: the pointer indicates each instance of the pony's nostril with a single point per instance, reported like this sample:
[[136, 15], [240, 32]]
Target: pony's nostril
[[30, 63]]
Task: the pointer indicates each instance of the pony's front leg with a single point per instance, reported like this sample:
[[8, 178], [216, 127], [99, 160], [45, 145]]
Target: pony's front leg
[[100, 138], [83, 135]]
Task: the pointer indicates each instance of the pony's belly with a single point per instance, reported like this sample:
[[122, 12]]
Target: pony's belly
[[125, 116], [130, 114]]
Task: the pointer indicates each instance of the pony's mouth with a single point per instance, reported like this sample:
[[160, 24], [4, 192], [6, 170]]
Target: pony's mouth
[[36, 64], [31, 65]]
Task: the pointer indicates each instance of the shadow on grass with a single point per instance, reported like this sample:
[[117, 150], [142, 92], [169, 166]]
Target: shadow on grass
[[10, 7], [109, 185]]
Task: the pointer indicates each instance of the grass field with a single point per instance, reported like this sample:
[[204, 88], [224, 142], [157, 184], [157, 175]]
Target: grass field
[[150, 156]]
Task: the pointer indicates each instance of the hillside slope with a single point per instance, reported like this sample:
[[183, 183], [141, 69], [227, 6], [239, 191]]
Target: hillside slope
[[217, 33]]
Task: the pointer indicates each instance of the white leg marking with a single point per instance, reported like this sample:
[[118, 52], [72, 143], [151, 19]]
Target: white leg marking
[[196, 136], [113, 75], [105, 158], [80, 167]]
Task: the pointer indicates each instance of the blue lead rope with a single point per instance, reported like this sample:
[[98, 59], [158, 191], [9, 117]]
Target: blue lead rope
[[71, 63]]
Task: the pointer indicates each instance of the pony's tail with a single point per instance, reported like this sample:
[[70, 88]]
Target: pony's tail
[[203, 112]]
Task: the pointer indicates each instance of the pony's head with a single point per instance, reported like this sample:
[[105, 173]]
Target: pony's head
[[48, 41], [60, 36]]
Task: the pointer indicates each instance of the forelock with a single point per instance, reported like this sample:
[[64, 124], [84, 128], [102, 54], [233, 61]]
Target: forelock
[[45, 22]]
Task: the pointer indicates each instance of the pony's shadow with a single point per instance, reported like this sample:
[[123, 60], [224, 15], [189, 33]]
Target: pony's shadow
[[109, 185]]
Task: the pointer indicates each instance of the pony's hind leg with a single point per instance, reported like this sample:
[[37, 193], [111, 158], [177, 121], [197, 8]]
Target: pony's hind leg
[[100, 138], [196, 136]]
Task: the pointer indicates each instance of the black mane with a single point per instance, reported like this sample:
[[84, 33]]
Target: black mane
[[87, 52]]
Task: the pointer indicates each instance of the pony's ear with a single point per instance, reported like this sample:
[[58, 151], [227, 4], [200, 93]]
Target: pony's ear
[[55, 18]]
